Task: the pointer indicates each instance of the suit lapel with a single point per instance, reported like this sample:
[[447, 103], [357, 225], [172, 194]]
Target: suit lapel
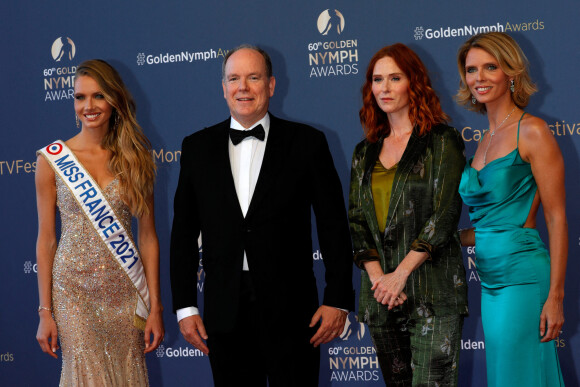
[[273, 158], [370, 158], [223, 168], [413, 151]]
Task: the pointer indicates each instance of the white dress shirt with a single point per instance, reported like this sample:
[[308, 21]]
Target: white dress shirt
[[245, 160]]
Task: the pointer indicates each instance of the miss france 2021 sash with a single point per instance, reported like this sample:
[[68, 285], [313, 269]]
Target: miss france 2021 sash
[[102, 216]]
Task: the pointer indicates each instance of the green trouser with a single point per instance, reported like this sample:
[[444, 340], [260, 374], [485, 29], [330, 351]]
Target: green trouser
[[420, 351]]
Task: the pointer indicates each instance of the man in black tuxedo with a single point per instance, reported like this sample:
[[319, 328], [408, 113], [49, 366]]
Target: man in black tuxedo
[[248, 184]]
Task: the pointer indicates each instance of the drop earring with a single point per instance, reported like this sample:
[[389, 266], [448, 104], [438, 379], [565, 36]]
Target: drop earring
[[473, 100], [78, 122], [512, 86]]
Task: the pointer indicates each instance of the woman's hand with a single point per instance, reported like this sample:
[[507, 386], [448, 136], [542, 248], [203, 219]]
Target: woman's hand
[[389, 289], [551, 319], [47, 335], [154, 326]]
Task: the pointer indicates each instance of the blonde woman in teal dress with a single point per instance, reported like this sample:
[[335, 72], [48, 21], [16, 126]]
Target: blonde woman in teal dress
[[517, 166]]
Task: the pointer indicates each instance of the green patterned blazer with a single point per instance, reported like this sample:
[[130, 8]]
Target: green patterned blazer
[[423, 215]]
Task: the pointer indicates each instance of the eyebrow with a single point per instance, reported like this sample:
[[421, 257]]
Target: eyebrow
[[485, 64], [95, 93], [237, 75], [375, 74]]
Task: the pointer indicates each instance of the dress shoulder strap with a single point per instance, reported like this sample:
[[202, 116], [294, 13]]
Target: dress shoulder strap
[[518, 138]]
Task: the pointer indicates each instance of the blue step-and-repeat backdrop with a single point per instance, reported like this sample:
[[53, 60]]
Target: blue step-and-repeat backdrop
[[170, 54]]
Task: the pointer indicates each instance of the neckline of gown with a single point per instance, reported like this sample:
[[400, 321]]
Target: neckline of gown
[[101, 187], [515, 150]]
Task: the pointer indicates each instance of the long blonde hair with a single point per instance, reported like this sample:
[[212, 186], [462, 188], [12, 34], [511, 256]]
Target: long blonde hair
[[131, 160]]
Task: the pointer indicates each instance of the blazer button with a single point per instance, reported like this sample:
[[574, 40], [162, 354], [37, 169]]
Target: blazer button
[[248, 230]]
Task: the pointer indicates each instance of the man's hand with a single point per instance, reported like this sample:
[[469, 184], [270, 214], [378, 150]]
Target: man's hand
[[193, 331], [331, 326]]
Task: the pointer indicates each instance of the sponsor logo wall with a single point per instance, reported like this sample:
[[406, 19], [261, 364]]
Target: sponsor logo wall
[[170, 58]]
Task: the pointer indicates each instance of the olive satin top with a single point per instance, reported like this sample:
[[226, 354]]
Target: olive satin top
[[381, 186]]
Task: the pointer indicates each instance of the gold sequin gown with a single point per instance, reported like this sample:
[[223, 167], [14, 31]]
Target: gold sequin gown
[[94, 302]]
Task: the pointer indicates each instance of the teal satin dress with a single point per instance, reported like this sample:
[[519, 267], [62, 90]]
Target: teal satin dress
[[514, 267]]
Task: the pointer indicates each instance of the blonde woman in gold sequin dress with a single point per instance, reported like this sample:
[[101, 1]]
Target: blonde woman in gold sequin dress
[[87, 301]]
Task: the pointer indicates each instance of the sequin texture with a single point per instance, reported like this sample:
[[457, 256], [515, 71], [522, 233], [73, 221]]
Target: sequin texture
[[94, 301]]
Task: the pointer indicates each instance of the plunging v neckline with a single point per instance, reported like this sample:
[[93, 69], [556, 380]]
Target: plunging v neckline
[[101, 187]]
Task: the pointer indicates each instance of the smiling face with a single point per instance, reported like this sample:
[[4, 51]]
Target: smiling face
[[484, 77], [390, 87], [91, 106], [247, 87]]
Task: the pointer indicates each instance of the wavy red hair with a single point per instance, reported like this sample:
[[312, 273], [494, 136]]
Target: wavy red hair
[[424, 106]]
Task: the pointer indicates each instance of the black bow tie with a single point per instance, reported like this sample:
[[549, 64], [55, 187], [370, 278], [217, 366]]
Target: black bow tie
[[238, 135]]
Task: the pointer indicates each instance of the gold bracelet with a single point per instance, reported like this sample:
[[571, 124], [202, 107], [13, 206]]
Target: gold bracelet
[[44, 308]]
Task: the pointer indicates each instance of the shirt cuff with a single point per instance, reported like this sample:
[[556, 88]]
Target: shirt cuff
[[186, 312]]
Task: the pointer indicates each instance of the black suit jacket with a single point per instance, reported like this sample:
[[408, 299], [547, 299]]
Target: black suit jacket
[[297, 175]]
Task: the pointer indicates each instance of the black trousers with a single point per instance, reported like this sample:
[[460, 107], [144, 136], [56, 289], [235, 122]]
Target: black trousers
[[260, 351]]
